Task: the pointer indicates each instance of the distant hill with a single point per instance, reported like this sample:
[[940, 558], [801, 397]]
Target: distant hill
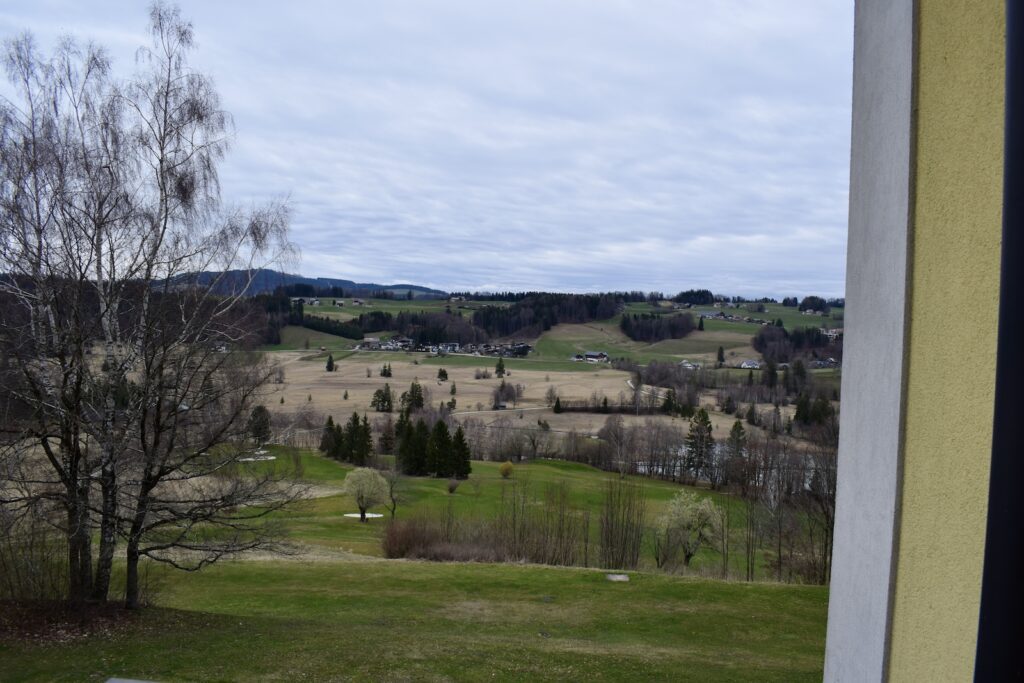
[[265, 281]]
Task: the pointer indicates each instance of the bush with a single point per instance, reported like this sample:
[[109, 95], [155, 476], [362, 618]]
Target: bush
[[452, 485], [505, 469]]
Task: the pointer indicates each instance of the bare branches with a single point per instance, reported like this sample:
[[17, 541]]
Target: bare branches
[[131, 369]]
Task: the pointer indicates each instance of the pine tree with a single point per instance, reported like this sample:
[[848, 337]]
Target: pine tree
[[382, 400], [327, 440], [461, 466], [452, 391], [499, 369], [442, 374], [412, 400], [803, 409], [752, 414], [721, 355], [420, 440], [700, 444], [730, 405], [364, 446], [750, 378], [770, 376], [406, 456], [330, 362], [668, 406], [439, 451], [558, 404], [259, 425], [386, 441], [737, 440], [700, 324]]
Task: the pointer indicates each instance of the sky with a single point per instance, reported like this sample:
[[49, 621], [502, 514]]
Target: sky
[[563, 145]]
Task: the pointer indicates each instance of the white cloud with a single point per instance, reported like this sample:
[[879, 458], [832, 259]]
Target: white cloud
[[565, 144]]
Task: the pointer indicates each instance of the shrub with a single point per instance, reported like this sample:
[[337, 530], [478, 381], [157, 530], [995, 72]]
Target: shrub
[[452, 485], [505, 469]]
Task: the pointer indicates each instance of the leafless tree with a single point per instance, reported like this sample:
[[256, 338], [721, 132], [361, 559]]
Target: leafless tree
[[113, 239]]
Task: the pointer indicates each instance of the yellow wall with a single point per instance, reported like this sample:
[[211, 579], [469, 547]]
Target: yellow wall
[[953, 302]]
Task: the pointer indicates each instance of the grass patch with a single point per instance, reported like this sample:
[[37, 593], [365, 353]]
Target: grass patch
[[277, 621]]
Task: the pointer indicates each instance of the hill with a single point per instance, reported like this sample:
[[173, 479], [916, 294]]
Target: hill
[[265, 281]]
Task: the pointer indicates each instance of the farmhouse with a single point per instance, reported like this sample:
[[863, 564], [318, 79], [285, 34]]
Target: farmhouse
[[595, 357], [750, 365]]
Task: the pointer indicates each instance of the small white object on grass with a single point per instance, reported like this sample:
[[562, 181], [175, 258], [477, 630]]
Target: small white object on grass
[[369, 515], [617, 577]]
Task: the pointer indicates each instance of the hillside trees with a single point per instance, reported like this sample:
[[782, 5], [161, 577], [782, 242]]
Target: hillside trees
[[111, 211]]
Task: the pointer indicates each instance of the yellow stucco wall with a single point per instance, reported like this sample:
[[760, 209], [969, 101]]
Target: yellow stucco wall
[[952, 338]]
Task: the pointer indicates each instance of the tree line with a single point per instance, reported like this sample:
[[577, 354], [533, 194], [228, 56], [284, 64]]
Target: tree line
[[650, 327]]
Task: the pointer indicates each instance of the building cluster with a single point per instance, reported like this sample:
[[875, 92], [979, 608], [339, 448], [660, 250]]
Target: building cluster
[[399, 343], [591, 357]]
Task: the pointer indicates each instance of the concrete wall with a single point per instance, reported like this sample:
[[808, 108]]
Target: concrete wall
[[875, 322], [919, 371], [954, 302]]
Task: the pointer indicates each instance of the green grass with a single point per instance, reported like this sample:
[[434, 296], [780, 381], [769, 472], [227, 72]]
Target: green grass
[[397, 621], [321, 521], [372, 619], [294, 338]]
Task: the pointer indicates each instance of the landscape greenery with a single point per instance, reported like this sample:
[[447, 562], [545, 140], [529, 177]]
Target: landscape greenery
[[643, 487]]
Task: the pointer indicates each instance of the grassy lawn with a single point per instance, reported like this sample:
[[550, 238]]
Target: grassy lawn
[[320, 522], [294, 338], [398, 621]]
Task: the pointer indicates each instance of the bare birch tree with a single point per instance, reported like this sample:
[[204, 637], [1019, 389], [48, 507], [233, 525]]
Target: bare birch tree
[[113, 240]]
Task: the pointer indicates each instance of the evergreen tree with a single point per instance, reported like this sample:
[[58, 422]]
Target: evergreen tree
[[604, 405], [669, 406], [700, 324], [752, 414], [558, 405], [770, 375], [452, 391], [730, 405], [700, 444], [737, 442], [439, 447], [442, 374], [412, 400], [386, 440], [721, 355], [750, 378], [406, 455], [345, 395], [461, 466], [803, 409], [499, 369], [259, 425], [420, 440], [327, 440], [363, 450], [330, 362], [382, 400]]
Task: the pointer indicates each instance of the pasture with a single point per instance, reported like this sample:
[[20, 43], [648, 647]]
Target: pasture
[[417, 621]]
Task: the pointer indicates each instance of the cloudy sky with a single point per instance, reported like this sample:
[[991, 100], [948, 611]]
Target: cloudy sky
[[572, 145]]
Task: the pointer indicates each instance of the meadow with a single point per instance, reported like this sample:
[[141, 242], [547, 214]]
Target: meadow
[[381, 620], [333, 610]]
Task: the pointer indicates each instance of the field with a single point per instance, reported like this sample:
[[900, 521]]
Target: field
[[307, 384], [414, 621], [319, 528], [335, 611]]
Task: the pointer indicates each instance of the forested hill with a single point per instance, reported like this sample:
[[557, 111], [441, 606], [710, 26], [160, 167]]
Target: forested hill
[[265, 281]]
